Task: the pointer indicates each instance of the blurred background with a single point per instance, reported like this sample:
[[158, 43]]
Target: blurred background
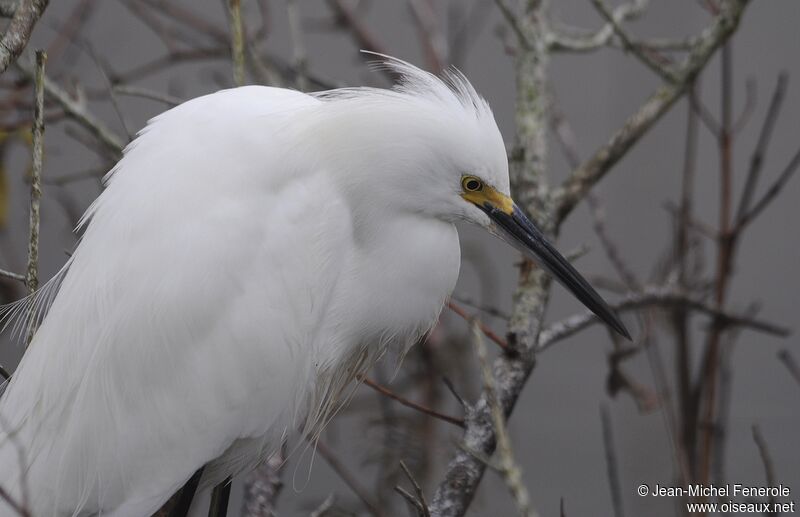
[[125, 61]]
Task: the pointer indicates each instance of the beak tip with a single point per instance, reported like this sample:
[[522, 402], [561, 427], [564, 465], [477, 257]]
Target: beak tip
[[622, 331]]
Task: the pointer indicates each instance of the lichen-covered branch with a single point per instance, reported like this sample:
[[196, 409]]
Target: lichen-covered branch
[[592, 170], [527, 168], [26, 14], [655, 296]]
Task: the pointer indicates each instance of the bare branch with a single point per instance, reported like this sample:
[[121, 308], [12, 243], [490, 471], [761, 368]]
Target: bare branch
[[585, 176], [26, 14], [559, 41], [298, 46], [512, 20], [642, 53], [32, 269], [512, 474], [655, 296], [12, 275], [237, 40], [78, 112]]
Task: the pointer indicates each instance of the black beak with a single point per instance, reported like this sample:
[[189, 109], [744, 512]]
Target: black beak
[[520, 232]]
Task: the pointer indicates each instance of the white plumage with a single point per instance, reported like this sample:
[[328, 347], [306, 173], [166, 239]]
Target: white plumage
[[247, 258], [253, 251]]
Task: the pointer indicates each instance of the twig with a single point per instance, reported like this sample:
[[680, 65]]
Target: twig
[[77, 112], [323, 508], [135, 91], [764, 137], [475, 304], [237, 40], [363, 37], [413, 405], [19, 30], [298, 47], [413, 501], [749, 106], [766, 459], [705, 116], [611, 462], [432, 39], [484, 328], [612, 250], [600, 38], [654, 296], [513, 21], [32, 269], [419, 501], [638, 51], [592, 170], [771, 192], [794, 369], [454, 393], [12, 275], [508, 465], [348, 478]]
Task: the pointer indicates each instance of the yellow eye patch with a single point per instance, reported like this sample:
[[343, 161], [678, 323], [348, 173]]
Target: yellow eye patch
[[479, 193]]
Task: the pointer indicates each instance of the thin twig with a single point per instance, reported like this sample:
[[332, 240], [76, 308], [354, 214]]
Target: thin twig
[[419, 499], [602, 37], [299, 55], [348, 478], [764, 137], [413, 405], [430, 32], [322, 509], [640, 52], [611, 462], [794, 369], [237, 40], [135, 91], [484, 328], [77, 111], [771, 192], [12, 275], [766, 459], [654, 296]]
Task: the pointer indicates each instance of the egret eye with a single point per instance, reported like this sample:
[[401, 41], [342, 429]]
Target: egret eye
[[472, 184]]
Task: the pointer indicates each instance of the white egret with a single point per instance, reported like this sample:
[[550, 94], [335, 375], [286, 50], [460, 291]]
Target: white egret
[[254, 251]]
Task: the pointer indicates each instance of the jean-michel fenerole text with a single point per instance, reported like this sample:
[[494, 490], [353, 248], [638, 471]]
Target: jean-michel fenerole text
[[726, 490]]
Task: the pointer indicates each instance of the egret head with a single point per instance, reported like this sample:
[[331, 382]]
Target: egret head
[[443, 157]]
